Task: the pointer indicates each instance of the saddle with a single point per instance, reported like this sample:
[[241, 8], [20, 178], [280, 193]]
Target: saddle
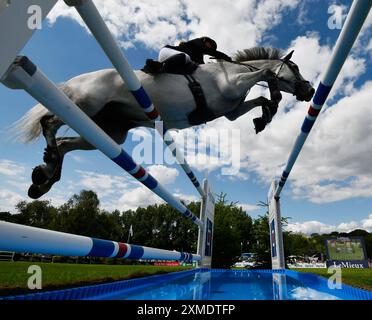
[[202, 114]]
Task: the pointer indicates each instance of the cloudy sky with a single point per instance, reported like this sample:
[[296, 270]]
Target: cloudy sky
[[330, 187]]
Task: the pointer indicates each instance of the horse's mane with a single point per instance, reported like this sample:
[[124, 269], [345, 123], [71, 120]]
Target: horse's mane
[[258, 53]]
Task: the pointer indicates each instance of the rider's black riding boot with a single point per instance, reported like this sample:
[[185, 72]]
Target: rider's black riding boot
[[153, 67], [176, 64], [179, 64], [171, 65]]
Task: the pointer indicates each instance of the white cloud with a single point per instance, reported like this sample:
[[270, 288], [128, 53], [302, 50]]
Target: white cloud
[[11, 168], [8, 200], [142, 197], [156, 23], [138, 197], [19, 184], [163, 174], [76, 158], [303, 17], [103, 184], [367, 223], [186, 198], [248, 207], [309, 227], [121, 192]]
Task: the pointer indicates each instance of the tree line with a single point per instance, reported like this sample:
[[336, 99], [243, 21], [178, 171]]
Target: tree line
[[161, 226]]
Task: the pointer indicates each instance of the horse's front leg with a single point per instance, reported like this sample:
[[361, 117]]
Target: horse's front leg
[[269, 107], [273, 83], [268, 111]]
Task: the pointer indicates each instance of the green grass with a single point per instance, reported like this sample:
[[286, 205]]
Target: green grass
[[14, 276], [361, 278]]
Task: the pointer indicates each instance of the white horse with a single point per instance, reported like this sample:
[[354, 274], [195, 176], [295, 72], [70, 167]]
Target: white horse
[[104, 97]]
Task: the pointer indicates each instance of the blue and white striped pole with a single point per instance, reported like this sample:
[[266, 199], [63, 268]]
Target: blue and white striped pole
[[20, 238], [23, 74], [354, 22], [99, 29]]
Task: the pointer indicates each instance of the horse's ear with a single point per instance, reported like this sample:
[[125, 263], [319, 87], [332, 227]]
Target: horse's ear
[[288, 56]]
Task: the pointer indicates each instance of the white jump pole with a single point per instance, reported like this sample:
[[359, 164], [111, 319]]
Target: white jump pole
[[353, 24], [19, 238], [99, 29], [23, 74]]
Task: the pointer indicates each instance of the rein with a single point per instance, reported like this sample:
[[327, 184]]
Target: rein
[[248, 66], [276, 74]]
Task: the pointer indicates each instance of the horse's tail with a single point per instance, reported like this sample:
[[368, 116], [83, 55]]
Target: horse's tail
[[28, 128]]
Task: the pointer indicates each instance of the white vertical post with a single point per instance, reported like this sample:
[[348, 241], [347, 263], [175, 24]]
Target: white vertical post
[[276, 234], [205, 237]]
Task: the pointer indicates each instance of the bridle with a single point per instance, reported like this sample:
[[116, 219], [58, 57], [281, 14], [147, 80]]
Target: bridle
[[297, 83]]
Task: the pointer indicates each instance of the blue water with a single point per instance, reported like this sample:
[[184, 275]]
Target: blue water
[[228, 285], [213, 286], [205, 284]]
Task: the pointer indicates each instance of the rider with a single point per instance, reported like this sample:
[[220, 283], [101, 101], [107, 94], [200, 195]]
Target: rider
[[185, 57]]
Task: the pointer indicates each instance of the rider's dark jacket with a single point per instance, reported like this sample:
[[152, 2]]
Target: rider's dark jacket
[[196, 49]]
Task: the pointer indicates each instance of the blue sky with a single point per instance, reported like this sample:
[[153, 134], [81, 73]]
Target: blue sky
[[331, 185]]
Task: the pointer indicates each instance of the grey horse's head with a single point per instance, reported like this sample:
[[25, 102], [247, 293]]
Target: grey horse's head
[[291, 80], [286, 71]]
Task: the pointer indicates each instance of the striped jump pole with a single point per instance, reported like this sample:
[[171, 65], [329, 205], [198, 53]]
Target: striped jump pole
[[354, 22], [20, 238], [23, 74], [99, 29]]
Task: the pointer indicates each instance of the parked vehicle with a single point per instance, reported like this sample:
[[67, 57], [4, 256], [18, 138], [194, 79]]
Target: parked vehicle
[[246, 260]]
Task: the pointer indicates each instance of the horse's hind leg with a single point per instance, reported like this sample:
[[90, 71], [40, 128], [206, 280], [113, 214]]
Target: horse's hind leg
[[69, 144], [42, 173], [44, 176], [109, 120], [51, 170]]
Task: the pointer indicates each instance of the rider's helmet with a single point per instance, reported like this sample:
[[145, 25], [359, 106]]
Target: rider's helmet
[[209, 43]]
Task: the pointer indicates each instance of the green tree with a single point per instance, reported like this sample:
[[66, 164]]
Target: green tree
[[7, 216], [232, 230], [36, 213]]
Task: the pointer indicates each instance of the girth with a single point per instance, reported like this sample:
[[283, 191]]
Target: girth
[[202, 114]]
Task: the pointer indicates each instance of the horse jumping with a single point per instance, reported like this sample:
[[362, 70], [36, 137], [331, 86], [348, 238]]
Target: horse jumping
[[104, 97]]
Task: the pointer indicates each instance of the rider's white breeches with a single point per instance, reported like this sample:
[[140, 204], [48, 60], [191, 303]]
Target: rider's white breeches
[[166, 53]]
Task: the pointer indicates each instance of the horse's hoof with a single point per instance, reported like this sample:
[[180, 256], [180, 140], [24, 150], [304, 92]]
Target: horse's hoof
[[38, 176], [259, 124], [34, 192]]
